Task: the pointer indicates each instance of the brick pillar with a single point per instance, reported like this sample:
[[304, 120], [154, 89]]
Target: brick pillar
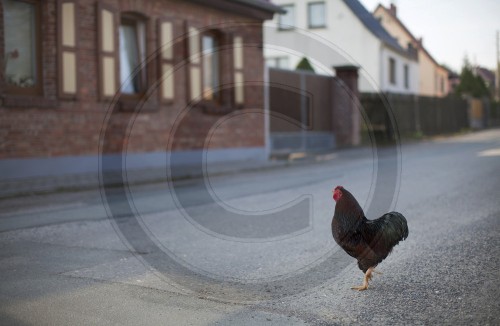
[[345, 107]]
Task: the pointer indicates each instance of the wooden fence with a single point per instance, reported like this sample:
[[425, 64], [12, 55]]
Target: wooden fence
[[421, 115]]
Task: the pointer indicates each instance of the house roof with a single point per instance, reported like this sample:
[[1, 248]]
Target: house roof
[[374, 26], [486, 74], [261, 9], [418, 42]]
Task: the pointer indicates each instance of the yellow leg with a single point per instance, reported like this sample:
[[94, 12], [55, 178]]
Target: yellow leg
[[368, 277]]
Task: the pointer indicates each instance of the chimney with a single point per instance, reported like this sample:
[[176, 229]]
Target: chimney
[[420, 41], [393, 9]]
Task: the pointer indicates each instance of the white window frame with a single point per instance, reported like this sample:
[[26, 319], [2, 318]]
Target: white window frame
[[290, 15], [281, 62], [310, 18]]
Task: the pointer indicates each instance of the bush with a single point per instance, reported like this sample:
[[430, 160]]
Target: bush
[[304, 64]]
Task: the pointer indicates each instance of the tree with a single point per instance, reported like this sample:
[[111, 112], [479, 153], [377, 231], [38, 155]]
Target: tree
[[471, 84], [304, 64]]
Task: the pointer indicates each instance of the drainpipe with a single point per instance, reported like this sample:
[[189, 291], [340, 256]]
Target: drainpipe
[[303, 112], [267, 112]]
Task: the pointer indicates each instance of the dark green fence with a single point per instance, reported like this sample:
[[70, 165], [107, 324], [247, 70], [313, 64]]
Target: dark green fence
[[414, 115]]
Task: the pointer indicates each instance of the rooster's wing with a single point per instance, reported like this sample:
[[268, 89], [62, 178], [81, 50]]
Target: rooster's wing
[[382, 234]]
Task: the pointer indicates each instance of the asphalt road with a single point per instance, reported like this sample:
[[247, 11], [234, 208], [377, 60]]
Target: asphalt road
[[64, 261]]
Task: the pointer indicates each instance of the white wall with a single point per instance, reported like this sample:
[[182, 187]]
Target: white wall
[[399, 86], [349, 34], [346, 39]]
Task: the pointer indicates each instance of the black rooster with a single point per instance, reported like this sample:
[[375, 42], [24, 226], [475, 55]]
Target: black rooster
[[369, 241]]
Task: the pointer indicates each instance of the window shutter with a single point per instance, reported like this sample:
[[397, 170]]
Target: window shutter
[[239, 80], [107, 19], [194, 60], [67, 48], [166, 46]]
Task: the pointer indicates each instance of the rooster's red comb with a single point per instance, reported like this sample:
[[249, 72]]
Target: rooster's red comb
[[339, 187]]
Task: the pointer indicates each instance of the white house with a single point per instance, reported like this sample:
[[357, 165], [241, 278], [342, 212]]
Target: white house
[[340, 32]]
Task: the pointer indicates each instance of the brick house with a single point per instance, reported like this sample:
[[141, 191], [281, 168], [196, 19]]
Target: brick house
[[75, 70]]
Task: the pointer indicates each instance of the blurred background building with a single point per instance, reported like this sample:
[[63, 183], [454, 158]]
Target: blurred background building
[[359, 38], [433, 77]]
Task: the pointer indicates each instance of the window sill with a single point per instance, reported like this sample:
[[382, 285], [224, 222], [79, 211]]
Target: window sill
[[28, 101], [126, 104], [317, 27], [214, 108]]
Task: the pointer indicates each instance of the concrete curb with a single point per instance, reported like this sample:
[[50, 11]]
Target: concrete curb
[[91, 181]]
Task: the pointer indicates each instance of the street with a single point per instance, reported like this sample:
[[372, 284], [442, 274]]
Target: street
[[65, 261]]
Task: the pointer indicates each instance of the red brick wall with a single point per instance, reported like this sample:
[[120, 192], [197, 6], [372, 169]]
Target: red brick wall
[[49, 126]]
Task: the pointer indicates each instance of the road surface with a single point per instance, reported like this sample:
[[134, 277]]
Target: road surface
[[63, 261]]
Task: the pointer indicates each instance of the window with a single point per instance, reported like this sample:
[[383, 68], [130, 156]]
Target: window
[[407, 77], [210, 67], [22, 62], [287, 21], [278, 62], [392, 71], [316, 14], [215, 57], [122, 51], [132, 37]]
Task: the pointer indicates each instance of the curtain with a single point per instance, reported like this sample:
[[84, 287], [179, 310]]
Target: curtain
[[129, 59]]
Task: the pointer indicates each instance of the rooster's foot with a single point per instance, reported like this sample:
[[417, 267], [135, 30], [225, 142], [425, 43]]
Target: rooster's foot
[[368, 277], [360, 288]]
